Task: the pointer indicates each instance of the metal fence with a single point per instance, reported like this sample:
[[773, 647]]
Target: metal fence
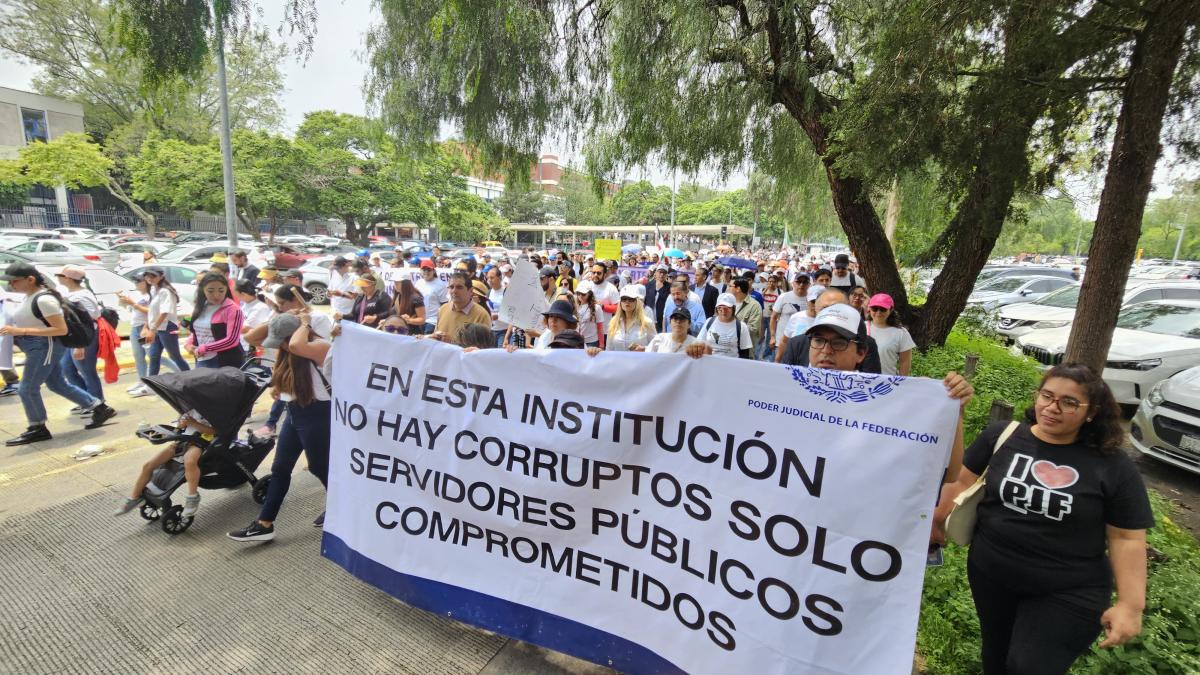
[[48, 218]]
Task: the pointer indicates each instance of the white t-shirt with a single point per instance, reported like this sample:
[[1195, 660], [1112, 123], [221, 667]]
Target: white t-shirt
[[162, 303], [137, 319], [606, 294], [254, 314], [345, 284], [202, 329], [495, 297], [587, 324], [622, 339], [664, 343], [23, 316], [85, 298], [723, 339], [319, 378], [891, 342], [435, 294], [543, 341], [799, 323], [844, 282], [786, 305]]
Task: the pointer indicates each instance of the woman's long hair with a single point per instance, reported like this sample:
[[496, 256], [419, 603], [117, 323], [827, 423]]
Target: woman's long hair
[[291, 376], [407, 298], [44, 285], [201, 300], [164, 285], [589, 302], [645, 325], [1103, 432]]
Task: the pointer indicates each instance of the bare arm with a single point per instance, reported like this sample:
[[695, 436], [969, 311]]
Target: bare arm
[[1127, 553], [904, 367], [58, 326], [299, 345]]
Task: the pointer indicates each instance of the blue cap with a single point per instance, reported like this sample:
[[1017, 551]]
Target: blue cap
[[364, 253]]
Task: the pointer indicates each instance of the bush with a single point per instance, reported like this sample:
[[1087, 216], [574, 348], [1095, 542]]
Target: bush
[[948, 635]]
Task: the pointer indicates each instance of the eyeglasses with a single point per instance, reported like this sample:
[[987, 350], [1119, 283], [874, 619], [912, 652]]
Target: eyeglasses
[[836, 344], [1066, 404], [879, 309], [394, 329], [860, 296], [628, 299]]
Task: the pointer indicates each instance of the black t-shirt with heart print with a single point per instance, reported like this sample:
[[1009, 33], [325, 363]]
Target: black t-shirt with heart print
[[1041, 522]]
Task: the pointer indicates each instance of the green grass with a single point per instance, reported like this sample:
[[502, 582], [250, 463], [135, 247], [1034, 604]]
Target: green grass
[[948, 636]]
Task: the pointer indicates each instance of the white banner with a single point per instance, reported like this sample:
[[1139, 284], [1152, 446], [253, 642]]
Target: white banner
[[648, 512]]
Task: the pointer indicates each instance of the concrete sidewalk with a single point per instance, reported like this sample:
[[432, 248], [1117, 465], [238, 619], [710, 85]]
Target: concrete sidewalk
[[88, 592]]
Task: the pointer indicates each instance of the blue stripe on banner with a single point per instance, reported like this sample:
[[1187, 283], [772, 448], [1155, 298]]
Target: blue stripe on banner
[[500, 616]]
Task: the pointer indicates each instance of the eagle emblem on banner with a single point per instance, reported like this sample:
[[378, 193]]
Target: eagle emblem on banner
[[839, 386]]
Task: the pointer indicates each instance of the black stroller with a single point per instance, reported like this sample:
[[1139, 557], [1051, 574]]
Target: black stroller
[[224, 397]]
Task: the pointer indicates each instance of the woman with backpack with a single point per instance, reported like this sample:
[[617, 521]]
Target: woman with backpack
[[39, 324], [79, 363], [216, 325], [161, 331]]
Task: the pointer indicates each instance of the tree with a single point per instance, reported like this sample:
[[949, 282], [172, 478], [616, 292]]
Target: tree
[[579, 202], [74, 160], [642, 204], [14, 185], [1157, 52], [523, 206], [76, 46], [988, 91]]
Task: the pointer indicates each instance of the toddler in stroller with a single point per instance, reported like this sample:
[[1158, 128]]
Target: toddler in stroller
[[202, 454]]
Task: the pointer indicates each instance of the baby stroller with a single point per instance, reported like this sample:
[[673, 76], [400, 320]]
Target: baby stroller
[[224, 397]]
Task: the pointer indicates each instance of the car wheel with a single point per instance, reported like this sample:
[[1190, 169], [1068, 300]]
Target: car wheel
[[320, 294]]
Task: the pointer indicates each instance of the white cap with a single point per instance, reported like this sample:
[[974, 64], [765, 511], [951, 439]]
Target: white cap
[[815, 292], [726, 300], [843, 319], [584, 287], [632, 291]]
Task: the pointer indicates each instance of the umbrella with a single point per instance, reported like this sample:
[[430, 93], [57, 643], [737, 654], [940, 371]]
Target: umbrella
[[673, 253], [631, 248], [741, 263]]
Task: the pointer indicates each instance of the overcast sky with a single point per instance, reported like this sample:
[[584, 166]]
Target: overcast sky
[[332, 78]]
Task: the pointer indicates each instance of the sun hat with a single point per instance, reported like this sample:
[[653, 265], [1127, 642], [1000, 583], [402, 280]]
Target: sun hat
[[562, 309]]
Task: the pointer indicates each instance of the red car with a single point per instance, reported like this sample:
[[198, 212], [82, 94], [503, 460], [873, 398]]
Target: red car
[[287, 258]]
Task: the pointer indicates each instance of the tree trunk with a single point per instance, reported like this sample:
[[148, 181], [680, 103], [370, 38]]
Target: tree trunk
[[147, 218], [892, 215], [1135, 151], [249, 221]]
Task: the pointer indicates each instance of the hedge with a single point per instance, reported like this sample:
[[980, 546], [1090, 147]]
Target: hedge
[[948, 634]]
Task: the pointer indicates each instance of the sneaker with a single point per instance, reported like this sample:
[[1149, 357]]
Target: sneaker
[[190, 504], [264, 431], [139, 391], [8, 390], [135, 387], [127, 506], [79, 410], [319, 523], [100, 414], [33, 434], [254, 532]]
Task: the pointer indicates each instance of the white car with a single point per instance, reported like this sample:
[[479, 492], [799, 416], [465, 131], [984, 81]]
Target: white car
[[315, 277], [1152, 341], [1016, 288], [64, 252], [1167, 423], [131, 253], [27, 233], [76, 232], [201, 254], [1057, 309]]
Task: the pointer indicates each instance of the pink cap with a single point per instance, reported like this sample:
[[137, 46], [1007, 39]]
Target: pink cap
[[881, 300]]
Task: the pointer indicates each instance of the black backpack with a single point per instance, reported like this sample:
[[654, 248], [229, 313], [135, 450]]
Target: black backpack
[[81, 330]]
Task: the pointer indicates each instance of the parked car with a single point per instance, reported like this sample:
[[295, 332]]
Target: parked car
[[76, 232], [196, 237], [1152, 341], [288, 257], [110, 233], [991, 273], [180, 275], [65, 252], [27, 233], [131, 253], [497, 252], [1016, 288], [1057, 309], [1167, 423], [315, 277], [460, 254], [201, 254]]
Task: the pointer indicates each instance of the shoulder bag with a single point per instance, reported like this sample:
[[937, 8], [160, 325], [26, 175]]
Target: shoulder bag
[[960, 524]]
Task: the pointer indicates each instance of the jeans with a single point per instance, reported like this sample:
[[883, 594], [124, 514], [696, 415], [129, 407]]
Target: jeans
[[277, 409], [499, 335], [82, 372], [168, 339], [140, 352], [766, 350], [43, 365], [306, 430]]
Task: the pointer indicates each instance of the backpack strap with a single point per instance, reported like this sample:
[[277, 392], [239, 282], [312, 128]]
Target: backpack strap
[[33, 306]]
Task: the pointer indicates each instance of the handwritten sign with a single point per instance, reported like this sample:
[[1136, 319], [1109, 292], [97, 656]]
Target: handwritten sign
[[608, 249], [524, 300]]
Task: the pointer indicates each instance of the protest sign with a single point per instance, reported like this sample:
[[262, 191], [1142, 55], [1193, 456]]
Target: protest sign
[[777, 526], [524, 301], [608, 249], [636, 274], [390, 275]]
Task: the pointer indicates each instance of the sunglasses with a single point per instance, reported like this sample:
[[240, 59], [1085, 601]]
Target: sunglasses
[[879, 309], [394, 329]]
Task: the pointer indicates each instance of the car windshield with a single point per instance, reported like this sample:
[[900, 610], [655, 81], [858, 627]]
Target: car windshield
[[175, 254], [89, 246], [1066, 297], [1003, 285], [1162, 319]]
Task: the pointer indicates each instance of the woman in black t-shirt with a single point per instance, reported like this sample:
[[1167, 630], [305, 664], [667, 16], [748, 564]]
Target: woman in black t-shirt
[[1064, 511]]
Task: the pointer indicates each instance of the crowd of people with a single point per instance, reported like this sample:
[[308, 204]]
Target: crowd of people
[[1041, 578]]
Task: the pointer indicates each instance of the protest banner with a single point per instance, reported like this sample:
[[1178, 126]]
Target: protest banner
[[636, 274], [524, 301], [779, 525], [608, 249]]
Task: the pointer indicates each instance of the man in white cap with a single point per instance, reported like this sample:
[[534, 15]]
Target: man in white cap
[[724, 334], [800, 350]]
